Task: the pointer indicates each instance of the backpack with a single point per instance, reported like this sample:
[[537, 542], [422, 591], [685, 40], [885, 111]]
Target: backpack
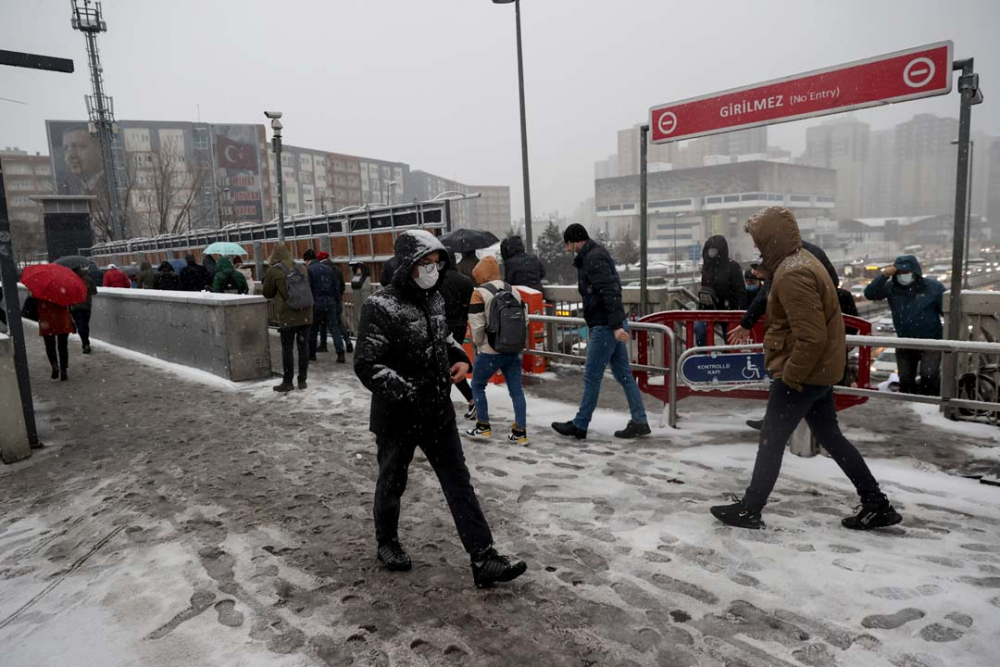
[[507, 324], [300, 296], [707, 298]]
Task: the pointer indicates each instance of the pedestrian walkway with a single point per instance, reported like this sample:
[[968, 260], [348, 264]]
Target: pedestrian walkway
[[177, 519]]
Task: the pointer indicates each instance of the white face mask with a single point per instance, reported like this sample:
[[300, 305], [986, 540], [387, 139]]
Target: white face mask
[[905, 279], [427, 276], [713, 253]]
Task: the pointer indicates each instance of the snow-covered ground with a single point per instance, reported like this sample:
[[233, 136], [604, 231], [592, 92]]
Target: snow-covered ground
[[177, 520]]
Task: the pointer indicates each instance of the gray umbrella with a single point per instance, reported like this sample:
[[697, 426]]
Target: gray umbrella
[[74, 261]]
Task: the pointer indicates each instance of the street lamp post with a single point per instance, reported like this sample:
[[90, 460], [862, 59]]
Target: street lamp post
[[524, 123], [968, 212], [276, 126]]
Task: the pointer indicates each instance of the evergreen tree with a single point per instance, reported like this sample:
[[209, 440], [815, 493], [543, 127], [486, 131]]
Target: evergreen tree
[[626, 251], [559, 267]]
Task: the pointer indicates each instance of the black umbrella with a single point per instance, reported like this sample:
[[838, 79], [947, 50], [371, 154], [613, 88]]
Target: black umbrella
[[74, 261], [468, 240]]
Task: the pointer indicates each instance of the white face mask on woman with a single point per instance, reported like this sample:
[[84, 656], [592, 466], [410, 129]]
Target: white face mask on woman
[[905, 279], [427, 276]]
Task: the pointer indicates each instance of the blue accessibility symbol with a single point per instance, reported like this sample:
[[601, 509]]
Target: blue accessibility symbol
[[729, 369]]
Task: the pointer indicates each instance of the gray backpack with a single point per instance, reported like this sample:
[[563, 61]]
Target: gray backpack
[[300, 296], [507, 325]]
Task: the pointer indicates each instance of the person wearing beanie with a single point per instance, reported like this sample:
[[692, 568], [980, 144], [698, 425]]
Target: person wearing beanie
[[488, 359], [325, 291], [323, 257], [601, 290]]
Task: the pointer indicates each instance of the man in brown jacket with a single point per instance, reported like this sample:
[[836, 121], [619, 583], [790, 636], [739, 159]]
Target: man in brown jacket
[[804, 353]]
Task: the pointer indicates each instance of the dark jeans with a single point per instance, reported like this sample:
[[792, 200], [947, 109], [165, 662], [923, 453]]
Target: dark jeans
[[458, 333], [701, 334], [785, 409], [294, 337], [927, 365], [604, 349], [62, 361], [81, 318], [443, 450], [325, 319]]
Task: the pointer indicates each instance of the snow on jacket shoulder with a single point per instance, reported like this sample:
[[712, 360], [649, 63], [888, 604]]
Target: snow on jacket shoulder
[[487, 272], [405, 349]]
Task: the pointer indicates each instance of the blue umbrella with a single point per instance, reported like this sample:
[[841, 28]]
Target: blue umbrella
[[225, 248], [178, 264]]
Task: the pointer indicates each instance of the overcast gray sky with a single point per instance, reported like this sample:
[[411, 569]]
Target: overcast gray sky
[[434, 82]]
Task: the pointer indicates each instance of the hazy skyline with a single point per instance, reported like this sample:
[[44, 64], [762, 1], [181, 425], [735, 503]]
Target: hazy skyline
[[434, 84]]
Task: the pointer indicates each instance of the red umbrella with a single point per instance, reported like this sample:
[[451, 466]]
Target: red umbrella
[[54, 283]]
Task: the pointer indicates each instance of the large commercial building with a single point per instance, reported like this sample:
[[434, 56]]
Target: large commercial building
[[686, 206], [26, 176], [694, 153]]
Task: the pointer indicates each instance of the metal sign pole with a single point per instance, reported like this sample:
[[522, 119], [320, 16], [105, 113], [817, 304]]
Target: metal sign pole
[[643, 216], [968, 87], [8, 274]]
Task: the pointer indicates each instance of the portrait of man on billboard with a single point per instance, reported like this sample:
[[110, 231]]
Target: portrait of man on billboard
[[77, 160]]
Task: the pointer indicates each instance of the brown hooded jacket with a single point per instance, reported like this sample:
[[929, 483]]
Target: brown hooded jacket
[[804, 343]]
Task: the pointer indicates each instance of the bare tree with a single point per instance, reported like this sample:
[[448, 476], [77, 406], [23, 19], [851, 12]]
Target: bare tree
[[169, 192], [100, 219]]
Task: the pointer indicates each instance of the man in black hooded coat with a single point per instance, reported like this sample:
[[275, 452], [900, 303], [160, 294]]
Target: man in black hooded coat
[[722, 286], [407, 357], [520, 267]]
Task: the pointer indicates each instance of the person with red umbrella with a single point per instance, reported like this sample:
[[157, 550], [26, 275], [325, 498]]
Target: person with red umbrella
[[55, 288]]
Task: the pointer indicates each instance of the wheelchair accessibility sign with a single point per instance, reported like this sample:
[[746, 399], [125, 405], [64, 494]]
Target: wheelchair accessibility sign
[[731, 369]]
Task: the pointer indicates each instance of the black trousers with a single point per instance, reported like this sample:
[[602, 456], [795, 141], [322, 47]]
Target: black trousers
[[918, 362], [443, 450], [458, 333], [81, 318], [294, 337], [785, 409], [62, 359]]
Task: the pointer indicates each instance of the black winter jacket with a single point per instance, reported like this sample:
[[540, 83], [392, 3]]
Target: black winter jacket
[[405, 350], [165, 278], [456, 289], [194, 278], [323, 285], [600, 287], [723, 275], [520, 267], [759, 305]]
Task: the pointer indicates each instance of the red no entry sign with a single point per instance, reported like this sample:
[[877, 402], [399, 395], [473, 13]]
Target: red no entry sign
[[905, 75]]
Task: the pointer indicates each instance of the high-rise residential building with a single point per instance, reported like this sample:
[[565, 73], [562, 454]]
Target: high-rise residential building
[[880, 196], [491, 210], [694, 153], [842, 144], [926, 164], [26, 176]]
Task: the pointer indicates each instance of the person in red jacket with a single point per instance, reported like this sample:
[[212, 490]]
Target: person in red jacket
[[116, 278], [54, 326]]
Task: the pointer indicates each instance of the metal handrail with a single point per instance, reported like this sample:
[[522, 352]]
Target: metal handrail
[[945, 346], [667, 332]]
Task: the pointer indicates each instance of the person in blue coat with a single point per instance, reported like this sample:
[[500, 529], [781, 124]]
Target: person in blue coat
[[916, 303], [326, 292]]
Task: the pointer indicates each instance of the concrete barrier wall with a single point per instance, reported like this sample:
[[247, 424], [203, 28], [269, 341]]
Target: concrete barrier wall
[[223, 334], [14, 444]]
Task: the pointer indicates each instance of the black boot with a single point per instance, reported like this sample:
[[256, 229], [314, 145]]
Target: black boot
[[738, 515], [303, 385], [55, 372], [284, 387], [489, 567], [322, 348], [349, 346], [633, 430], [340, 358], [873, 515], [86, 349], [393, 556], [569, 428], [63, 376], [755, 424]]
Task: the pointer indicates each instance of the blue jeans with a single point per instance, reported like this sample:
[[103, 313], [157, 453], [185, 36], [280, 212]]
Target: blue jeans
[[603, 349], [701, 334], [483, 369]]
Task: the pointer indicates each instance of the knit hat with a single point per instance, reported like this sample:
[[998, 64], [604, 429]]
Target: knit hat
[[574, 233], [309, 255], [321, 255]]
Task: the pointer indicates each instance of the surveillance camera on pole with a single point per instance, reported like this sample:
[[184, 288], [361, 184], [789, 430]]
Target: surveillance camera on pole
[[273, 115], [276, 126]]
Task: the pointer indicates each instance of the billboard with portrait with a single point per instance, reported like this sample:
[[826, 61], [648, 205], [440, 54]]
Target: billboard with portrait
[[77, 163]]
